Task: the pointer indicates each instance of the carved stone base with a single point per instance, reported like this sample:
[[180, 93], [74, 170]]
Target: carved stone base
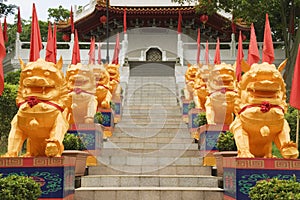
[[117, 109], [92, 137], [193, 127], [108, 122], [207, 144], [240, 174], [55, 175], [185, 109]]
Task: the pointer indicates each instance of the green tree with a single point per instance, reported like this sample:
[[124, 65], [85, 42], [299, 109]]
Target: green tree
[[7, 9], [58, 14]]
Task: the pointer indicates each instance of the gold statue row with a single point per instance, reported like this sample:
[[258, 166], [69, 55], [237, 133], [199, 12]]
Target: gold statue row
[[49, 102], [254, 107]]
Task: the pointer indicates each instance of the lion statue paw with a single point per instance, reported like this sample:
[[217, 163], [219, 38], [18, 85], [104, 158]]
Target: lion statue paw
[[52, 148], [9, 154], [289, 150], [245, 154]]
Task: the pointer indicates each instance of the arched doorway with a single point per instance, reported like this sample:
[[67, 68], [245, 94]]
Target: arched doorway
[[154, 55]]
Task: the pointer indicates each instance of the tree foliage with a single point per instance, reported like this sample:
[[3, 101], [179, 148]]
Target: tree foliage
[[6, 10], [13, 77], [8, 110], [58, 14]]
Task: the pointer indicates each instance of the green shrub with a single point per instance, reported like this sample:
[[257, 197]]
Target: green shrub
[[182, 92], [226, 142], [73, 142], [112, 105], [291, 117], [98, 118], [191, 105], [275, 188], [15, 187], [8, 109], [200, 119], [13, 77]]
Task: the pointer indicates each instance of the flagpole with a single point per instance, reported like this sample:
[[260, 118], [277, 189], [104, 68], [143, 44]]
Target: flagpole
[[107, 34], [297, 129]]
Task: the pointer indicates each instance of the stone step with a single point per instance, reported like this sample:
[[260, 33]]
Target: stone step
[[140, 124], [151, 146], [149, 94], [158, 140], [145, 101], [139, 120], [148, 160], [156, 132], [149, 181], [118, 134], [151, 111], [102, 169], [152, 107], [148, 130], [150, 152], [156, 116], [149, 193]]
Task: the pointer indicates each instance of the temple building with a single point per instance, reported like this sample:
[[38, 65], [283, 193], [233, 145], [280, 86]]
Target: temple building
[[151, 34]]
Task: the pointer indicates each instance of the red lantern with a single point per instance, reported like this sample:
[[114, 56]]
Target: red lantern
[[204, 18], [66, 37], [103, 19], [244, 37]]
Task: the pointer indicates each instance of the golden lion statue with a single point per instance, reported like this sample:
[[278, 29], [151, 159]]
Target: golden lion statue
[[41, 117], [114, 75], [190, 77], [200, 86], [82, 103], [222, 92], [260, 109], [103, 88]]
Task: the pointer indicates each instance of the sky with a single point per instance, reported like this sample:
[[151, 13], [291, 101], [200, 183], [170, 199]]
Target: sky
[[41, 7]]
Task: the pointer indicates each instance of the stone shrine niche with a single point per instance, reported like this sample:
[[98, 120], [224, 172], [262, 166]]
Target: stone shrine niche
[[154, 54]]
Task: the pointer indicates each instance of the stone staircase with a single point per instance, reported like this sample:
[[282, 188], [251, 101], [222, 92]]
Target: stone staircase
[[151, 155]]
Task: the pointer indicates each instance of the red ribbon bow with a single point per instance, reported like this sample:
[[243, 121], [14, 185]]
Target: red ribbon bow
[[265, 106], [78, 90], [32, 101]]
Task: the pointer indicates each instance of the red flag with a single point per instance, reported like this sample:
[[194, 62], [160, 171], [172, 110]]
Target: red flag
[[35, 37], [239, 58], [5, 36], [233, 26], [253, 53], [179, 22], [2, 56], [217, 59], [19, 23], [206, 53], [268, 49], [92, 51], [99, 53], [54, 42], [295, 92], [125, 21], [50, 45], [76, 52], [116, 51], [198, 47], [72, 20]]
